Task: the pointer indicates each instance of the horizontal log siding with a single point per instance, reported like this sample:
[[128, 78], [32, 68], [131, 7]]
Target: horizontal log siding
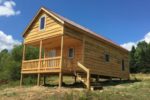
[[94, 59], [94, 56], [71, 64], [52, 28], [77, 47]]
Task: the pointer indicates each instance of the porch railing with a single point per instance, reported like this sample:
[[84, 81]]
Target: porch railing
[[50, 63], [41, 64]]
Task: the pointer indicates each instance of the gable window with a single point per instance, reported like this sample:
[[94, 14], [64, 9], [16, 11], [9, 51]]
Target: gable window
[[42, 23], [123, 66], [70, 52], [107, 58]]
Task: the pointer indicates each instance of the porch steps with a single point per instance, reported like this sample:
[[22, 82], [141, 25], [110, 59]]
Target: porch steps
[[83, 79]]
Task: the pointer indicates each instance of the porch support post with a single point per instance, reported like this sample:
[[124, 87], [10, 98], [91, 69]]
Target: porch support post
[[44, 80], [38, 79], [60, 80], [61, 62], [21, 79], [88, 80], [24, 49], [39, 64], [23, 58]]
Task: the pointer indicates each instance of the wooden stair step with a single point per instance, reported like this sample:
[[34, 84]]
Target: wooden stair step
[[81, 75]]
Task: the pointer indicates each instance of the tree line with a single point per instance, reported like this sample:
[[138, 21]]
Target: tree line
[[10, 61], [140, 58]]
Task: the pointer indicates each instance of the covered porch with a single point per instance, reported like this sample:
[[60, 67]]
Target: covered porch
[[56, 54]]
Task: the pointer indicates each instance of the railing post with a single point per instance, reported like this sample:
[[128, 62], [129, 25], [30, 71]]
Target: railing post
[[39, 63]]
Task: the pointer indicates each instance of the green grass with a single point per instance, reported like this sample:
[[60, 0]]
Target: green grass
[[136, 89]]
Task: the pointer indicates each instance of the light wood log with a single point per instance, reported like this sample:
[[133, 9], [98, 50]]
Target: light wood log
[[21, 79], [38, 79], [60, 79]]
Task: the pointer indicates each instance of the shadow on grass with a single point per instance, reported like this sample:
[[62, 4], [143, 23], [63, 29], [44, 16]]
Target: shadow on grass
[[101, 83], [118, 82], [74, 85]]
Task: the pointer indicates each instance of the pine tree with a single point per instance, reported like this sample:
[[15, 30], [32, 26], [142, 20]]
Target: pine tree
[[132, 60]]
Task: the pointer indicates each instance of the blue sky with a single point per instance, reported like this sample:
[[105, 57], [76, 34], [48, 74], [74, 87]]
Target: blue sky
[[123, 21]]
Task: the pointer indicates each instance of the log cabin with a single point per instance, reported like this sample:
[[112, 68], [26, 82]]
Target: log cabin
[[71, 49]]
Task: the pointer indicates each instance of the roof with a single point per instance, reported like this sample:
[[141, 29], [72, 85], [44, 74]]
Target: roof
[[64, 20]]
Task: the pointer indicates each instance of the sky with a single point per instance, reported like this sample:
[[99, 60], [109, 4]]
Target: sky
[[125, 22]]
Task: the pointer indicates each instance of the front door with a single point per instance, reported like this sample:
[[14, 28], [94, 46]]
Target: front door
[[51, 54], [70, 58]]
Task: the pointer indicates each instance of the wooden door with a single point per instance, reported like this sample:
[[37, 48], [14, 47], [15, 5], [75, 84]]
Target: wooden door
[[51, 54], [70, 58]]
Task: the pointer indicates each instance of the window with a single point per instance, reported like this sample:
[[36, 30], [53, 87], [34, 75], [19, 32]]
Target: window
[[123, 66], [106, 57], [70, 53], [42, 23]]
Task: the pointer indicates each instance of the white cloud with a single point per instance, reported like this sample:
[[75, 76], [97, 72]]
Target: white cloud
[[7, 8], [147, 38], [7, 41], [129, 45]]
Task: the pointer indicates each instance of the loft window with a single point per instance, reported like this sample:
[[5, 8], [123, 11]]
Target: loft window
[[107, 58], [123, 66], [42, 23], [70, 52]]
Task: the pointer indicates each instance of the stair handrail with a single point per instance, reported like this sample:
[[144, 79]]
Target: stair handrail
[[88, 74], [83, 67]]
